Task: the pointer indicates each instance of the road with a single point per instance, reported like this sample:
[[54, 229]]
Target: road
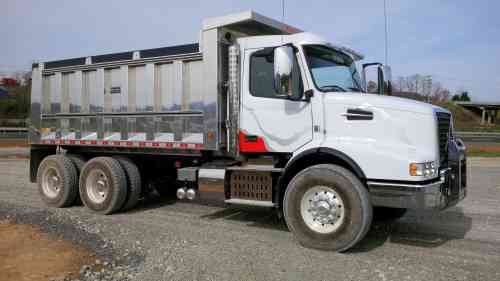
[[183, 241]]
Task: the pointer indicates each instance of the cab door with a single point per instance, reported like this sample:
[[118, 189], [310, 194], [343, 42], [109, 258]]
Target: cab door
[[270, 123]]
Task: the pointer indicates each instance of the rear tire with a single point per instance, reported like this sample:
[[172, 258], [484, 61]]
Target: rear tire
[[57, 180], [79, 162], [326, 207], [103, 185], [134, 188]]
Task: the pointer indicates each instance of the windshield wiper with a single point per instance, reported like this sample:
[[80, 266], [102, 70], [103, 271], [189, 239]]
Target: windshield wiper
[[336, 88], [355, 89]]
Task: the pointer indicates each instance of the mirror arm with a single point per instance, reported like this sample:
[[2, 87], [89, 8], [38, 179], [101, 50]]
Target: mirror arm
[[308, 95], [365, 65]]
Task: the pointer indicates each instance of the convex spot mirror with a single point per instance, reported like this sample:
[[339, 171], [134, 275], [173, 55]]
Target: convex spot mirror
[[283, 66]]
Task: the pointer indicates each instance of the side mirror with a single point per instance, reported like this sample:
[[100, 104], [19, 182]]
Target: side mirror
[[283, 65], [383, 78]]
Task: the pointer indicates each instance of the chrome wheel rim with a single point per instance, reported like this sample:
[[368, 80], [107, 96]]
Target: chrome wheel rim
[[97, 186], [322, 209], [51, 182]]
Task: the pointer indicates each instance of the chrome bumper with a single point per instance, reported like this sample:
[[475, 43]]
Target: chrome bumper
[[441, 193], [411, 196]]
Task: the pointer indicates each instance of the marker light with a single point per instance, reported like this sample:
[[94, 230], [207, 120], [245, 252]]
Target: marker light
[[427, 169]]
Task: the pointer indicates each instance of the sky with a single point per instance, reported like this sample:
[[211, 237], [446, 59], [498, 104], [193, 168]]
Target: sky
[[455, 41]]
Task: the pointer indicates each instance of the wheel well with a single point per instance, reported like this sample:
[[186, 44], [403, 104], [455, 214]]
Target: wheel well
[[315, 157], [37, 154]]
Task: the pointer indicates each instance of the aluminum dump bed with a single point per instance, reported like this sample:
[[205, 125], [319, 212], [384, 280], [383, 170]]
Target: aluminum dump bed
[[163, 98]]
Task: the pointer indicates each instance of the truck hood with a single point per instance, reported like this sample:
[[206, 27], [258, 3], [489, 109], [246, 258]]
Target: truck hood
[[402, 131], [386, 102]]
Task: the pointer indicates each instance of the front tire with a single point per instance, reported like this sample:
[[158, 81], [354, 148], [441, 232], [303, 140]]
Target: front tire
[[327, 208], [103, 185]]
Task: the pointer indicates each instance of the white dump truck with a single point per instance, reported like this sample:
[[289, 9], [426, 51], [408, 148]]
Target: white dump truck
[[257, 113]]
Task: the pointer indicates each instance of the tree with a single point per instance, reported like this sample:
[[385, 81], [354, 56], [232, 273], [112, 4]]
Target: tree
[[422, 88], [371, 87], [19, 105], [463, 96], [439, 94]]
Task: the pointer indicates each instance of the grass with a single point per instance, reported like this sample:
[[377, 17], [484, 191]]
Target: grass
[[483, 154], [465, 120]]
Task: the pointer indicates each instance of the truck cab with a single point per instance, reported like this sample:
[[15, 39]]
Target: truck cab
[[304, 96], [259, 113]]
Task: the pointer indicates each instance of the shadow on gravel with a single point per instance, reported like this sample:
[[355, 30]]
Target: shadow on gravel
[[423, 229], [253, 217], [151, 201]]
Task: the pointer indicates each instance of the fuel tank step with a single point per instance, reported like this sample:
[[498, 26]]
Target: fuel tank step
[[247, 202]]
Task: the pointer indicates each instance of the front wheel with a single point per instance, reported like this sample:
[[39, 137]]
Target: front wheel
[[327, 208]]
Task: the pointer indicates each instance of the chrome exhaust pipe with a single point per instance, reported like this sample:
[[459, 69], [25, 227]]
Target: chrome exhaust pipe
[[181, 193], [191, 194]]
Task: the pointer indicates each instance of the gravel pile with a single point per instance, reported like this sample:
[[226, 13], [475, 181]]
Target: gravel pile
[[110, 264], [103, 272]]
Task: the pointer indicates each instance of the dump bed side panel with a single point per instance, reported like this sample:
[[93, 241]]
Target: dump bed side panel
[[150, 98]]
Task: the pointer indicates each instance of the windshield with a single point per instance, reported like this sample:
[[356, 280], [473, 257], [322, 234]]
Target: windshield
[[331, 70]]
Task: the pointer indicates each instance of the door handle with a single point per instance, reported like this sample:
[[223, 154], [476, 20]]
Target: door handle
[[358, 114], [251, 138]]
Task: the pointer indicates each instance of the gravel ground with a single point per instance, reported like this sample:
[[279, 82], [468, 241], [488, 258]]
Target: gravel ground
[[165, 241]]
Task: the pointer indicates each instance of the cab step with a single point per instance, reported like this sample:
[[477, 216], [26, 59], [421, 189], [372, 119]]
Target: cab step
[[247, 202]]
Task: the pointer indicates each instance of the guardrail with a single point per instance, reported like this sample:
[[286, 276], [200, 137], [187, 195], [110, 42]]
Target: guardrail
[[479, 137], [12, 129], [13, 133]]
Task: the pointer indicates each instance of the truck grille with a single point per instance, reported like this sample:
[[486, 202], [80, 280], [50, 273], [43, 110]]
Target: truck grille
[[444, 122]]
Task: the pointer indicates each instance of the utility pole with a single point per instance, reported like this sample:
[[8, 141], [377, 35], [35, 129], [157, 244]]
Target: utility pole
[[386, 47], [282, 16]]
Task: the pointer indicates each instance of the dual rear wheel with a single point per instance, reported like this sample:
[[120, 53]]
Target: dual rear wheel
[[105, 185]]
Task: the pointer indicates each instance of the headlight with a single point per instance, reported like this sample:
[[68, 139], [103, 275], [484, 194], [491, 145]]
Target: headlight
[[427, 169]]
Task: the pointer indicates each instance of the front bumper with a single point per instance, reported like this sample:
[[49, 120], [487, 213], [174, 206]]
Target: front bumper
[[440, 193]]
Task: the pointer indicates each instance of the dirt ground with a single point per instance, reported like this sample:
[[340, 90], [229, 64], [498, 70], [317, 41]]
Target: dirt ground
[[13, 143], [27, 254], [483, 148]]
